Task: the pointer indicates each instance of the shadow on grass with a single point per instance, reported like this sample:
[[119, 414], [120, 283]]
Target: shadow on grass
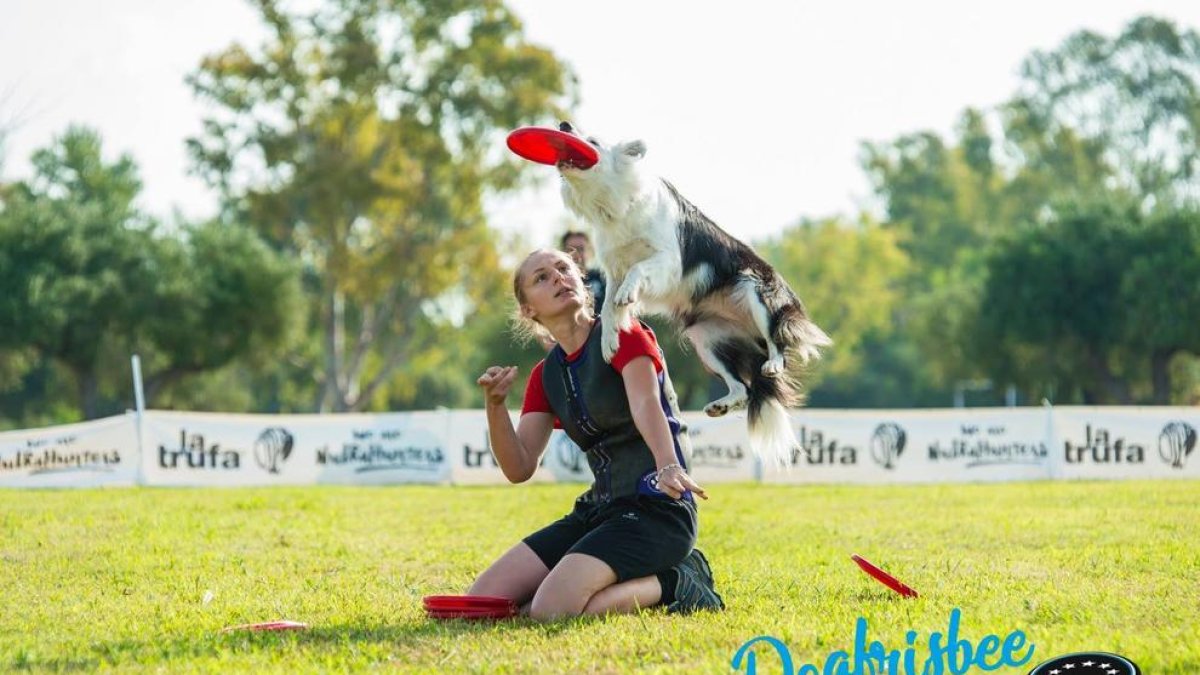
[[318, 638], [877, 596]]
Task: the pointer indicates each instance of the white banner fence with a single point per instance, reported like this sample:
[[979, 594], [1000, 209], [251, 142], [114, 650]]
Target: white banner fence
[[451, 446]]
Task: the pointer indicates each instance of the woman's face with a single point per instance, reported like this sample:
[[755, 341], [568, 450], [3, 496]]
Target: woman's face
[[551, 284]]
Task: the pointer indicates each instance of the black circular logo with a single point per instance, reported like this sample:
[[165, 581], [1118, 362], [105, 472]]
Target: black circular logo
[[1176, 442], [1088, 663], [272, 448], [887, 444]]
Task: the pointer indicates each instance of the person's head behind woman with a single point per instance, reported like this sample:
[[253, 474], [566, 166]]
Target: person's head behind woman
[[548, 284]]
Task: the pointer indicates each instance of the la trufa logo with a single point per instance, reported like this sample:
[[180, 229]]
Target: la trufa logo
[[887, 444], [1176, 442], [273, 447]]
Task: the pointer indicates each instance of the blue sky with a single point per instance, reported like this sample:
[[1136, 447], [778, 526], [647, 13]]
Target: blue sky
[[754, 109]]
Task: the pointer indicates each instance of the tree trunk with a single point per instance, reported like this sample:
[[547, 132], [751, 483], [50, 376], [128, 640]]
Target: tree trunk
[[155, 383], [1160, 376], [1115, 390], [89, 394], [335, 338]]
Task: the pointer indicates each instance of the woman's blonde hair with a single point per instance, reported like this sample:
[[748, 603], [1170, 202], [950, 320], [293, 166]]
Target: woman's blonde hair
[[526, 329]]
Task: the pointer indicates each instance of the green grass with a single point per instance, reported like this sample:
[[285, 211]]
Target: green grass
[[96, 579]]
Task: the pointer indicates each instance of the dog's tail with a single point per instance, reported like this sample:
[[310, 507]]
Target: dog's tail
[[770, 425], [771, 433], [796, 333], [770, 397]]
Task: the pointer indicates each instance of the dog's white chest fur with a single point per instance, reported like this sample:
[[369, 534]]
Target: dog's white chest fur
[[648, 228]]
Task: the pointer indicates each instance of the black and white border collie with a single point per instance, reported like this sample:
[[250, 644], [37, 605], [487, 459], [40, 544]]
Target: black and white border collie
[[661, 255]]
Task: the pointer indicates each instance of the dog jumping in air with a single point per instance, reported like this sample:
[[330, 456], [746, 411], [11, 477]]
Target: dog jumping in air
[[661, 255]]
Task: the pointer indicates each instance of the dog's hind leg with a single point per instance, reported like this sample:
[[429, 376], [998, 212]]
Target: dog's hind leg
[[749, 294], [705, 337]]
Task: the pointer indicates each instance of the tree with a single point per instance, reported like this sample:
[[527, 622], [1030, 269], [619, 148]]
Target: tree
[[72, 247], [1093, 302], [85, 279], [361, 138], [944, 201], [1097, 122], [1050, 314], [220, 295], [1160, 295], [1134, 96]]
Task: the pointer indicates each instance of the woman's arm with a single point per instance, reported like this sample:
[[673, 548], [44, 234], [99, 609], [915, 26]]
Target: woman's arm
[[641, 388], [517, 450]]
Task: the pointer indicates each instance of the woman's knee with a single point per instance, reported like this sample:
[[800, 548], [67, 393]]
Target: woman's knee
[[547, 609], [516, 575], [569, 587], [495, 586], [602, 602]]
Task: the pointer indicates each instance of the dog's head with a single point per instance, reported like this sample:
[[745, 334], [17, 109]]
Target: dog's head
[[607, 186], [612, 157]]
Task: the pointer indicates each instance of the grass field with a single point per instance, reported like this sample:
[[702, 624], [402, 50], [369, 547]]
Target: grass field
[[95, 579]]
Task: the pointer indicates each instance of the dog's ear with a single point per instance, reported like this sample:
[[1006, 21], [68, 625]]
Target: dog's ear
[[633, 149]]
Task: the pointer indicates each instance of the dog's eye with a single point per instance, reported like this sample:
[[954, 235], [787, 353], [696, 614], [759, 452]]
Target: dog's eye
[[594, 142]]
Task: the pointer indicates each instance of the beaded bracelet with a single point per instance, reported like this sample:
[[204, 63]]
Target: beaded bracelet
[[658, 474]]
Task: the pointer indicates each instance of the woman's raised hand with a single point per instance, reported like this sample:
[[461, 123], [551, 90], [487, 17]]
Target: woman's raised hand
[[496, 381]]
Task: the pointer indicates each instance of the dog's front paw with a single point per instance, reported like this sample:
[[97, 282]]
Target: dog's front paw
[[609, 341], [723, 405], [629, 291]]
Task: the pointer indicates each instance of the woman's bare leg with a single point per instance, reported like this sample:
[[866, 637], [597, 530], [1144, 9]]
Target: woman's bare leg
[[570, 585], [626, 597], [516, 575]]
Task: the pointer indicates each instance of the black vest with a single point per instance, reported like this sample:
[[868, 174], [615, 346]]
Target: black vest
[[588, 397]]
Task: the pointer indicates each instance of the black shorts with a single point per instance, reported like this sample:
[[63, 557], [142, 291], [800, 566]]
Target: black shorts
[[635, 536]]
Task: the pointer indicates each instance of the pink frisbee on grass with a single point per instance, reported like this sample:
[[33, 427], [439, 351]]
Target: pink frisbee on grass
[[267, 626]]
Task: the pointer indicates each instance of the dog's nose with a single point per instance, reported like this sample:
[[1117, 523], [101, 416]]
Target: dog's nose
[[565, 126]]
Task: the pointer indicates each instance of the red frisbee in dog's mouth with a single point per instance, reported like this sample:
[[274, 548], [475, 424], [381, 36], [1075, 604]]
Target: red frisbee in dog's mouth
[[883, 577], [553, 147]]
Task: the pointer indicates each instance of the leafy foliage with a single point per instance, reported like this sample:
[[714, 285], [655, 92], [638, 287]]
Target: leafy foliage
[[1049, 242], [1050, 310], [1032, 231], [85, 279], [361, 139], [1133, 96]]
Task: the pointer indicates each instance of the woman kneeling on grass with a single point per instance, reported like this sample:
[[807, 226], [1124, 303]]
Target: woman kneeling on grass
[[628, 543]]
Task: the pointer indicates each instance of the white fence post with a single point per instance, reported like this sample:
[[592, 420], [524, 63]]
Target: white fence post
[[139, 399]]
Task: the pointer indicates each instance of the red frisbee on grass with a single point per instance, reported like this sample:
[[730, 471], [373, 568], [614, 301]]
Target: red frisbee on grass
[[553, 147], [883, 577], [469, 607], [267, 626], [503, 613]]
